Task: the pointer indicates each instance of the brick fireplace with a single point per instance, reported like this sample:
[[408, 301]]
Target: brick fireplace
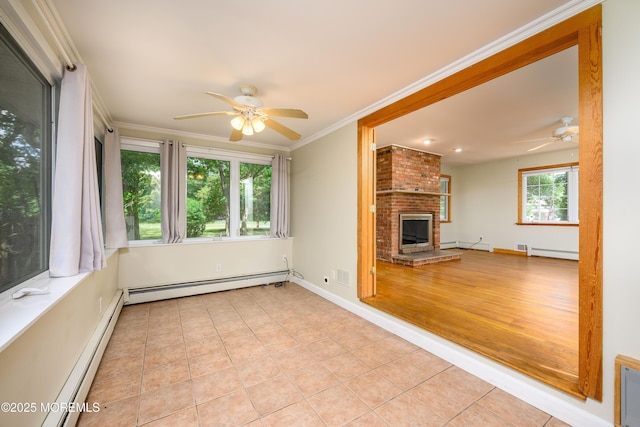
[[407, 182]]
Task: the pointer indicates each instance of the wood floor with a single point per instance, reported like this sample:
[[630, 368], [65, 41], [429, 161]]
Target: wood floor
[[520, 311]]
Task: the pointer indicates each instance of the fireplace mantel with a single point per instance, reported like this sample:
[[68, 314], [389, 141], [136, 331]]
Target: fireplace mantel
[[418, 192]]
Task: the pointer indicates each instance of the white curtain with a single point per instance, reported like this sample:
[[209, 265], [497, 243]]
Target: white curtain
[[173, 200], [116, 228], [279, 197], [76, 223]]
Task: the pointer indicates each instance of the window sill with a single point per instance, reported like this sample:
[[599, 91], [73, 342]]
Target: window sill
[[551, 224], [200, 240], [17, 315]]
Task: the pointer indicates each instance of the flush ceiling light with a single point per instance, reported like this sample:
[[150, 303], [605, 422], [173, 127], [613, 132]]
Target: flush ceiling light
[[457, 150], [428, 141]]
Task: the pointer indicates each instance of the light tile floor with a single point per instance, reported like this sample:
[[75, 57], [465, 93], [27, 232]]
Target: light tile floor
[[282, 356]]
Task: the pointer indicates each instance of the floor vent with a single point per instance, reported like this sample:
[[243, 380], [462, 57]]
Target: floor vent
[[520, 247], [627, 392]]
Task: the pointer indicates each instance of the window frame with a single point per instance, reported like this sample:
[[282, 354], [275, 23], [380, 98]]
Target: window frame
[[573, 184], [234, 158], [142, 146], [447, 198], [46, 159]]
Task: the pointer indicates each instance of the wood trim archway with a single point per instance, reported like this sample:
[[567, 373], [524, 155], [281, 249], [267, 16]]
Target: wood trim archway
[[582, 30]]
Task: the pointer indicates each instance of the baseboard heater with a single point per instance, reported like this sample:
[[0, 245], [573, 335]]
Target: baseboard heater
[[552, 253], [66, 409], [177, 290], [477, 245]]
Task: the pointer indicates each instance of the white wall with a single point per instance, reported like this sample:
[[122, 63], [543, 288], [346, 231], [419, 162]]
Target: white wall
[[621, 37], [485, 203], [36, 365]]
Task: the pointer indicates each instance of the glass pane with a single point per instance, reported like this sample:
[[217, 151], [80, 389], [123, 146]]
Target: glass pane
[[444, 184], [207, 197], [255, 199], [533, 180], [547, 197], [24, 167], [141, 194]]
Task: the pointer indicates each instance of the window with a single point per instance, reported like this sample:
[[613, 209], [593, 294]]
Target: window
[[228, 194], [25, 166], [208, 195], [549, 195], [445, 198], [255, 199], [141, 190]]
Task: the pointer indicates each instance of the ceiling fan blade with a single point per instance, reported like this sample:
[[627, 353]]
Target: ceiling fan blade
[[226, 99], [236, 135], [279, 127], [543, 145], [546, 138], [213, 113], [286, 112]]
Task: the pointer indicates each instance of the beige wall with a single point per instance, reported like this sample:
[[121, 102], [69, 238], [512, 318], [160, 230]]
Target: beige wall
[[36, 365], [154, 265], [323, 210]]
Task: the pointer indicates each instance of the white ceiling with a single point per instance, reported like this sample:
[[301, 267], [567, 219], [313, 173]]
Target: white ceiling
[[151, 60], [500, 119]]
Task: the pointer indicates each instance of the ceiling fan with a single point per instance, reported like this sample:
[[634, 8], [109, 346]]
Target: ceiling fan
[[250, 116], [564, 133]]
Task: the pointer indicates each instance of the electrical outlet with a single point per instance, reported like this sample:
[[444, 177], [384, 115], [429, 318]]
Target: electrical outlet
[[284, 258], [99, 305], [218, 267]]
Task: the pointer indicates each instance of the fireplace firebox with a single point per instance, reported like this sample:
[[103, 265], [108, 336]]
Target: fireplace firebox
[[416, 232]]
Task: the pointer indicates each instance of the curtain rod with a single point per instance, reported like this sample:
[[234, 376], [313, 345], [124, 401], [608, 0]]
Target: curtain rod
[[101, 116], [47, 19], [68, 63]]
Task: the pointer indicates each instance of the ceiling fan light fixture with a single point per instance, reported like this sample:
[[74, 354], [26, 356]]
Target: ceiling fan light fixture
[[247, 129], [238, 122], [258, 124], [249, 116]]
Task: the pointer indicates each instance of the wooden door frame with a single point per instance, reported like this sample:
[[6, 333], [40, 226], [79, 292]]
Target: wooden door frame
[[582, 30]]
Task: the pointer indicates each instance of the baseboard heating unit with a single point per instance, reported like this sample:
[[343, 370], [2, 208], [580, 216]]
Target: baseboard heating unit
[[552, 253], [65, 410], [177, 290]]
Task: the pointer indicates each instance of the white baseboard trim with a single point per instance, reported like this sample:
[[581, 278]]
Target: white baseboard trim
[[484, 370], [76, 388]]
